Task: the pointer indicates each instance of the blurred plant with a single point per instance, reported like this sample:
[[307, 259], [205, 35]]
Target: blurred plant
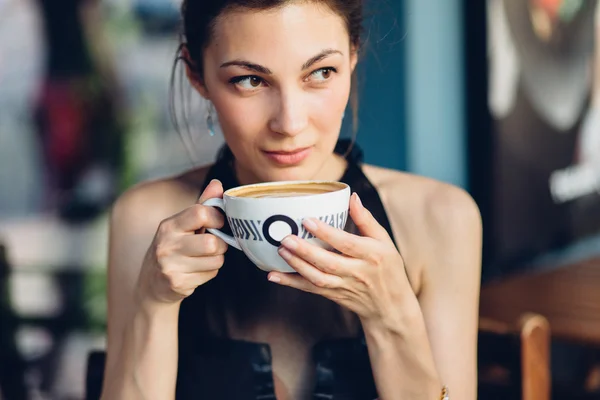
[[94, 295]]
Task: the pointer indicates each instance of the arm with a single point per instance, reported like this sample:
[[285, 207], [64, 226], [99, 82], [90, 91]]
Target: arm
[[450, 294], [149, 275], [401, 358], [135, 340], [435, 342]]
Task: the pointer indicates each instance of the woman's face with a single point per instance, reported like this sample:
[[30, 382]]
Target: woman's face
[[280, 81]]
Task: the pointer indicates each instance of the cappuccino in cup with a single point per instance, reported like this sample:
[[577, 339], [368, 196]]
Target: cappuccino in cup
[[261, 215]]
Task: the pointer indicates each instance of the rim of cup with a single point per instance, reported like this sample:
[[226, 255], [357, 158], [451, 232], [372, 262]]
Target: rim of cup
[[231, 192]]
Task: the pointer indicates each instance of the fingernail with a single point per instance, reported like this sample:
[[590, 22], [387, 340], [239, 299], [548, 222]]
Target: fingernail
[[274, 278], [357, 199], [310, 224], [284, 253], [289, 242]]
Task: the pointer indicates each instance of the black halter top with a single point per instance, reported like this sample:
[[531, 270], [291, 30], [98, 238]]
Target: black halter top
[[212, 366]]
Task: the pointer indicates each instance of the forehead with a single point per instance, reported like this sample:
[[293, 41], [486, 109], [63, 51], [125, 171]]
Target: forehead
[[295, 31]]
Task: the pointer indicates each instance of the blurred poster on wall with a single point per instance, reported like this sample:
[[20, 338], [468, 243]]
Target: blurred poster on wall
[[544, 101]]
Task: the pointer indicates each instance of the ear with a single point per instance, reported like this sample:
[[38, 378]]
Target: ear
[[191, 72], [353, 57]]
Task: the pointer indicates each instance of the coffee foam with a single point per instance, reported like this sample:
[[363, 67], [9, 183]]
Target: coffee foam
[[286, 190]]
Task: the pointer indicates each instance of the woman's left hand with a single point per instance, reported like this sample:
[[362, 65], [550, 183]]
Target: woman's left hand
[[368, 277]]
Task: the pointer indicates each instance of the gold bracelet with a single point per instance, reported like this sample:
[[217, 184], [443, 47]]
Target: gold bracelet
[[445, 394]]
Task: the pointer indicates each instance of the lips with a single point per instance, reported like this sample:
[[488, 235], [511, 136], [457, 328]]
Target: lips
[[288, 157]]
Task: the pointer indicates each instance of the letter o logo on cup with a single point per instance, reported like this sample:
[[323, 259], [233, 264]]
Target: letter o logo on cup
[[274, 219]]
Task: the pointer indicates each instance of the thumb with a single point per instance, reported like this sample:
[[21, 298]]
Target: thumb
[[214, 189], [364, 220]]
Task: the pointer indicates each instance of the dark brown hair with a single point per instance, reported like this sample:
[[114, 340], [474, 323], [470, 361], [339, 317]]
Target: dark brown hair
[[200, 17]]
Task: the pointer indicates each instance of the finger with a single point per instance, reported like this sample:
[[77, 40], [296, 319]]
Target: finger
[[213, 189], [205, 264], [190, 281], [295, 281], [192, 265], [365, 222], [344, 242], [315, 276], [325, 260], [202, 245], [196, 217]]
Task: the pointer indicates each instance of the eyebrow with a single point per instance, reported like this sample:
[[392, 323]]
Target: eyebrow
[[266, 71]]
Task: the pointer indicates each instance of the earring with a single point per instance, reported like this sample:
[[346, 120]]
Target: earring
[[210, 123], [343, 114]]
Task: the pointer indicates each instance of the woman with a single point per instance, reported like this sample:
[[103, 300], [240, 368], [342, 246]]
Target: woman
[[189, 320]]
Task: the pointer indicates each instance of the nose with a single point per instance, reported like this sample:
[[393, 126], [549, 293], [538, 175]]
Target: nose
[[291, 117]]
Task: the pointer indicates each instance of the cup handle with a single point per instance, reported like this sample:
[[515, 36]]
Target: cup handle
[[230, 240]]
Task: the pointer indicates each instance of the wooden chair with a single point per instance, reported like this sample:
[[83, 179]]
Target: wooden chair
[[514, 361]]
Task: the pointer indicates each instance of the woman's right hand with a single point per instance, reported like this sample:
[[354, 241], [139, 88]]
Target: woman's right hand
[[182, 256]]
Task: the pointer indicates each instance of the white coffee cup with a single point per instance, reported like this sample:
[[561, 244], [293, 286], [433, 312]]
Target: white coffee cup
[[261, 215]]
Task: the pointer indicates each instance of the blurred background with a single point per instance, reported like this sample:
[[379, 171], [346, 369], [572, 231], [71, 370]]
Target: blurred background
[[500, 97]]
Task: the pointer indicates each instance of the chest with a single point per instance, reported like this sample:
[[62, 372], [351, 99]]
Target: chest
[[293, 368], [300, 349], [292, 329]]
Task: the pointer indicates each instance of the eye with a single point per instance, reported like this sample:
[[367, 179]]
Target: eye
[[248, 82], [323, 74]]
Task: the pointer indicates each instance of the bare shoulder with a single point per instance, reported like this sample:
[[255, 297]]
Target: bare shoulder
[[435, 203], [427, 216], [150, 202]]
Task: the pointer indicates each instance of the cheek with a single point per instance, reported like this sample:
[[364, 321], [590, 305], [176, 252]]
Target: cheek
[[328, 105], [241, 119]]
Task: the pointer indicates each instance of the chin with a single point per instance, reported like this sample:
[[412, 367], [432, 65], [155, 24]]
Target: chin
[[289, 174], [302, 172]]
